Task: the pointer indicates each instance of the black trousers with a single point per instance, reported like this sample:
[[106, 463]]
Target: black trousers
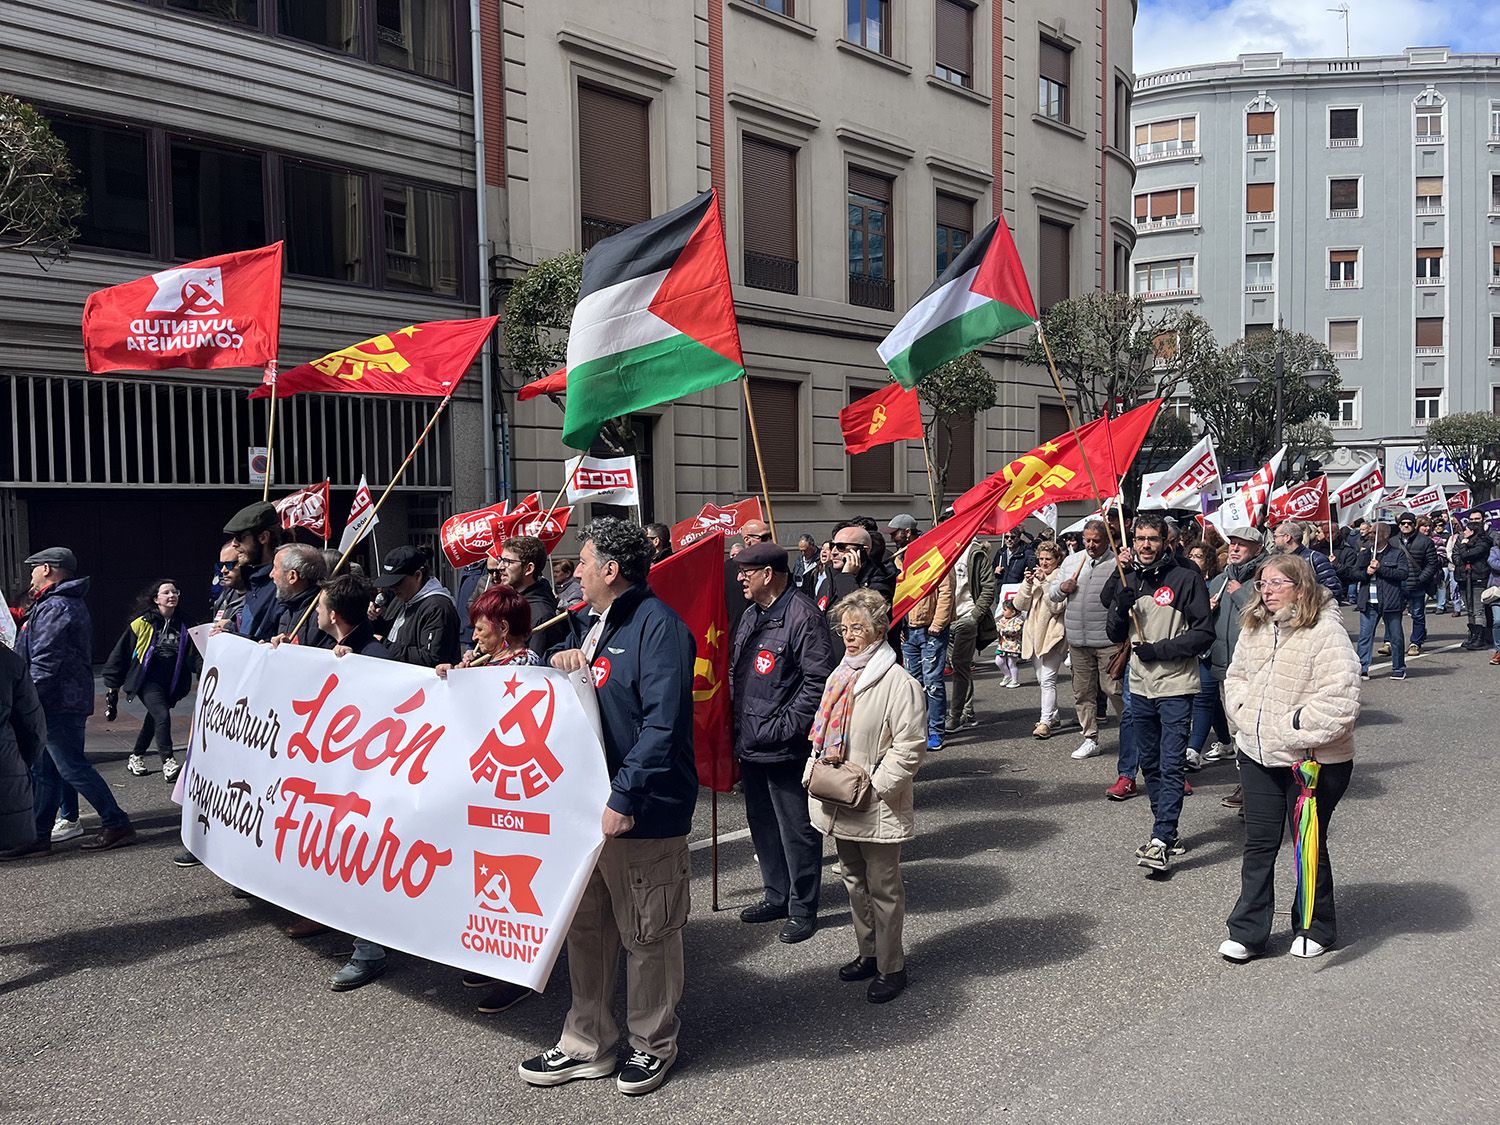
[[157, 726], [787, 846], [1270, 798]]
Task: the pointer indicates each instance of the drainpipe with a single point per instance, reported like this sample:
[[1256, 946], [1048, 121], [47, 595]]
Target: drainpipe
[[481, 214]]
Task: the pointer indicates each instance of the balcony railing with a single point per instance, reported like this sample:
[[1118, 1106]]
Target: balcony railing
[[872, 292], [596, 230], [1168, 294], [1345, 283], [1165, 222], [1259, 144], [1260, 287], [1429, 349], [1428, 139], [1495, 351], [1344, 213], [1164, 150], [766, 271], [1428, 282], [1344, 353], [1344, 142], [1429, 208], [1261, 217]]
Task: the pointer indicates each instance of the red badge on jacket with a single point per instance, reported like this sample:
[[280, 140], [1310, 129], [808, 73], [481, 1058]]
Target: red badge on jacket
[[601, 671], [1163, 596], [765, 662]]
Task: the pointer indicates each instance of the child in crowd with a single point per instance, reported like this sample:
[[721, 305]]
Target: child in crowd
[[1008, 647]]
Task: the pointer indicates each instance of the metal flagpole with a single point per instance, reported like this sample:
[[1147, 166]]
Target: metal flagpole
[[760, 465], [265, 493]]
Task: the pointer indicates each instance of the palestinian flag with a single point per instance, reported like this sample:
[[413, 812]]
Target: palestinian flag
[[981, 295], [654, 320]]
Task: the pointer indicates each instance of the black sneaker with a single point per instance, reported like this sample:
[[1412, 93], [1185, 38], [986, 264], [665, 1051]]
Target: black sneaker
[[503, 997], [1176, 849], [763, 912], [642, 1073], [477, 980], [186, 859], [554, 1066]]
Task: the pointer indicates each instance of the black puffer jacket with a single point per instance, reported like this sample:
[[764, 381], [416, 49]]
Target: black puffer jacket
[[778, 666], [1471, 559], [23, 739]]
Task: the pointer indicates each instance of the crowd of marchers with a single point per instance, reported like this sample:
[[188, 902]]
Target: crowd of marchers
[[1210, 650]]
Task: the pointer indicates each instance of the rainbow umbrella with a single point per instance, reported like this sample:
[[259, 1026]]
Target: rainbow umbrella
[[1305, 841]]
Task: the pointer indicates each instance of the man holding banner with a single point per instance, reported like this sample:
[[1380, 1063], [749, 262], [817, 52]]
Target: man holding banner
[[641, 656]]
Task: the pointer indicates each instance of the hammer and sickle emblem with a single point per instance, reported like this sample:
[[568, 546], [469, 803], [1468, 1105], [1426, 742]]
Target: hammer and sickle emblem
[[916, 574], [877, 419], [1029, 478], [703, 671], [377, 355]]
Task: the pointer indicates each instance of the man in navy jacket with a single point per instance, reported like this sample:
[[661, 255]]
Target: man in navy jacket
[[641, 655]]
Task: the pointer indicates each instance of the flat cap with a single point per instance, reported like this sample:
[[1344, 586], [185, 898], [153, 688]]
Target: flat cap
[[253, 519], [55, 556], [398, 564], [904, 522], [763, 554], [1248, 534]]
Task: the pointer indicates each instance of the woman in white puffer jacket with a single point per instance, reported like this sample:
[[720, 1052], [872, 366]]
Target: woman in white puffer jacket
[[1291, 693]]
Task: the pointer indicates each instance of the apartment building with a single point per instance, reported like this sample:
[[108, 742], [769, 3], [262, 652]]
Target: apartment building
[[1354, 199], [856, 145]]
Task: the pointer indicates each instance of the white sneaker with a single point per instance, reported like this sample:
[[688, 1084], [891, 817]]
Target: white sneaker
[[1192, 760], [1232, 950], [170, 769], [1088, 749], [64, 830], [1014, 683], [1306, 947], [137, 766]]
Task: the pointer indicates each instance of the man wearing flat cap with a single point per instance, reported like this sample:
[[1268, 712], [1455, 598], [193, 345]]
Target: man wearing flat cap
[[779, 662], [256, 533]]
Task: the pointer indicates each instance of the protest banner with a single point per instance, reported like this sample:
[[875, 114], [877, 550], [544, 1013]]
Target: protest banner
[[457, 819]]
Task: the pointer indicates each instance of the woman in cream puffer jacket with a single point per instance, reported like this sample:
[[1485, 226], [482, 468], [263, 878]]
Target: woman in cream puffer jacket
[[1043, 638], [1291, 693]]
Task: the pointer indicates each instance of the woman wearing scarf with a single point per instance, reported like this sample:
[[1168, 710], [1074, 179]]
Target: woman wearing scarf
[[873, 715], [1292, 693], [153, 660]]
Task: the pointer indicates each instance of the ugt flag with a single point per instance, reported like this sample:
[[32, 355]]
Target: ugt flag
[[889, 414], [223, 311], [307, 507], [420, 360], [654, 319]]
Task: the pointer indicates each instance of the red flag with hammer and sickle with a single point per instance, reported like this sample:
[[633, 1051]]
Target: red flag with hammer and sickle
[[889, 414]]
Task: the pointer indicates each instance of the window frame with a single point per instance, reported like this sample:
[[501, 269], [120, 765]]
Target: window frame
[[1440, 348], [1184, 150], [1181, 292], [157, 214], [1268, 286], [1358, 210], [1063, 86], [883, 7], [268, 191], [1437, 395], [750, 471], [964, 77], [1260, 216], [1357, 281], [1430, 209], [939, 227], [889, 275], [1354, 396], [1174, 221], [1359, 336], [748, 137], [1358, 140]]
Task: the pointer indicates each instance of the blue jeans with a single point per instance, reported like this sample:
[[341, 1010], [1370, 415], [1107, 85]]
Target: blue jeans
[[1130, 758], [1368, 619], [67, 808], [64, 761], [1416, 604], [1208, 710], [924, 656], [1161, 732]]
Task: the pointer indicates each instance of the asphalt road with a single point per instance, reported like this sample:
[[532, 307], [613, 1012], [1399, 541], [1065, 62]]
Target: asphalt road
[[1050, 980]]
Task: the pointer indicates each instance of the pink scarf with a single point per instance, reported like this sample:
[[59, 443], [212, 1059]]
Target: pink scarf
[[831, 724]]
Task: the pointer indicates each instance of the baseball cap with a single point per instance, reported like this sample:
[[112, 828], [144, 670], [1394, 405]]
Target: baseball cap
[[253, 519], [398, 564], [1248, 534], [902, 522], [54, 556], [763, 554]]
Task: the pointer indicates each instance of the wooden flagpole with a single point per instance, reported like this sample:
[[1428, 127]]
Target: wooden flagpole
[[760, 465], [326, 483], [265, 493]]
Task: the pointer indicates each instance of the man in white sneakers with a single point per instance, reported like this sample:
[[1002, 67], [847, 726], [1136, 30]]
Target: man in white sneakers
[[1085, 616]]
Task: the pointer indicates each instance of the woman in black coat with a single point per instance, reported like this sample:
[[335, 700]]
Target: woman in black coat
[[23, 739], [154, 660]]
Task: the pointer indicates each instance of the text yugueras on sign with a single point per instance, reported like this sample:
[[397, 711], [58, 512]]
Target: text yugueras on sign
[[456, 819]]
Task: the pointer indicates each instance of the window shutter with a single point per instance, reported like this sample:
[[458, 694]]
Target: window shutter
[[1429, 185], [1052, 62], [1260, 199], [1142, 134], [1430, 252], [959, 451], [955, 213], [1495, 342], [770, 203], [779, 424], [1343, 256], [1056, 262], [1343, 335], [1260, 124], [1429, 331], [954, 37], [614, 156], [1142, 207], [1164, 130], [875, 469], [1189, 128], [1343, 195], [1187, 202], [1051, 421], [870, 183], [1343, 124]]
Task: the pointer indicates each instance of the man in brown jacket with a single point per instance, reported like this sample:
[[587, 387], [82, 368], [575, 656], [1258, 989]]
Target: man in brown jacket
[[925, 653]]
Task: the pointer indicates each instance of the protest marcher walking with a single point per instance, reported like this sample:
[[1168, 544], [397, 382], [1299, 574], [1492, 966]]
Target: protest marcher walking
[[643, 656], [296, 573], [56, 642], [1013, 558], [154, 660], [425, 628], [521, 564], [806, 560], [779, 661], [1382, 594], [1291, 538], [1228, 596], [973, 628], [1081, 581], [1472, 569], [23, 741], [1293, 694], [659, 536], [1043, 638], [1421, 579], [872, 716]]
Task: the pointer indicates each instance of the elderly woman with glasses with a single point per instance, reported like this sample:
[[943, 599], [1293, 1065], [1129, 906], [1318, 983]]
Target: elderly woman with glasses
[[873, 715], [1292, 693]]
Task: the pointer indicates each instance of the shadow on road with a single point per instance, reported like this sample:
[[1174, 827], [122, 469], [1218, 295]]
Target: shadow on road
[[1372, 913]]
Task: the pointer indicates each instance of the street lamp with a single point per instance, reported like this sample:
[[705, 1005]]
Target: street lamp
[[1245, 384]]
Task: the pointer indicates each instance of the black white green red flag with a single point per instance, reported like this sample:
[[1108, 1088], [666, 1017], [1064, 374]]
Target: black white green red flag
[[981, 295], [654, 319]]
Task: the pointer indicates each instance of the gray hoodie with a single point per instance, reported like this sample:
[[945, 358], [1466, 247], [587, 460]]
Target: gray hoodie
[[1227, 616]]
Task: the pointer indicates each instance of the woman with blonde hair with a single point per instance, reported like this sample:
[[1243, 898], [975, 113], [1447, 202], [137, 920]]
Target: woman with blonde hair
[[1292, 693], [1043, 640], [873, 717]]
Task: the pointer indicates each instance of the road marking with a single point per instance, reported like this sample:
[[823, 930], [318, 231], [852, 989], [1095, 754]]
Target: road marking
[[1454, 647], [727, 838]]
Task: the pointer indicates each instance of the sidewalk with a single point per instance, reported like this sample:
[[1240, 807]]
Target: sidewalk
[[117, 739]]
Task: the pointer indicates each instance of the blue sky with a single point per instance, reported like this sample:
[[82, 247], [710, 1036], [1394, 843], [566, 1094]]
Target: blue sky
[[1174, 33]]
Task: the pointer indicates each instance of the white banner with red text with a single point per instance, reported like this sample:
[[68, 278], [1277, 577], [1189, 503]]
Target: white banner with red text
[[457, 819]]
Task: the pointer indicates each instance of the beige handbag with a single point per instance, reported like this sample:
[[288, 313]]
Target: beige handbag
[[838, 782]]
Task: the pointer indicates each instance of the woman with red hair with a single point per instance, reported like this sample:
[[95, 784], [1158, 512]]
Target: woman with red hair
[[502, 625]]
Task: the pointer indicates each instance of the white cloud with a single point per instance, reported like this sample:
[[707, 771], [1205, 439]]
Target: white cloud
[[1178, 33]]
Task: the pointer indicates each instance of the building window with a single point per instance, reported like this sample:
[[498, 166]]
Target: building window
[[1343, 338], [415, 35], [1260, 130], [1495, 122], [1494, 335], [955, 43], [870, 265], [1054, 64], [614, 162], [421, 239], [1495, 193], [1171, 277], [1427, 405], [1260, 200], [1161, 210], [1162, 140], [1343, 269], [1429, 126], [870, 24], [1494, 265], [1429, 195], [218, 200], [780, 7], [1260, 275], [778, 420], [326, 23], [769, 214], [234, 11], [113, 174], [1055, 262], [955, 227], [1343, 197], [1122, 115], [1255, 331], [1429, 335], [1346, 414], [1430, 265], [1343, 128], [957, 451], [875, 469], [1122, 268], [325, 223]]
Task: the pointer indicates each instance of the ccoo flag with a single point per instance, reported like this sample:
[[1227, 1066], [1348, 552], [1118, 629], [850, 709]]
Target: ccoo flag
[[420, 360], [362, 517], [981, 295], [889, 414], [654, 319]]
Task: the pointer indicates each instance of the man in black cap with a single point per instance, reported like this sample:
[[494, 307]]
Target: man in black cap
[[779, 662], [256, 530], [425, 629]]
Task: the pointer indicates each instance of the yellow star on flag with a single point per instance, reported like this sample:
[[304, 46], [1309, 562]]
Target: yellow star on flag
[[712, 636], [1050, 447], [409, 330]]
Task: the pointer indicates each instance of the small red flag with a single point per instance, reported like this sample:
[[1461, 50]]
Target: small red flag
[[889, 414], [223, 311], [548, 527], [420, 360], [554, 384], [307, 508], [714, 518], [692, 583], [532, 503], [1306, 501], [468, 536]]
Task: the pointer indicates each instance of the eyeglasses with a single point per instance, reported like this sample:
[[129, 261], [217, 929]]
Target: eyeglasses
[[1272, 583], [493, 572], [750, 536], [856, 629], [509, 562]]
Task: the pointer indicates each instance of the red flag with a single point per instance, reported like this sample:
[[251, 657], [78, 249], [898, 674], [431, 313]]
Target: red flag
[[468, 536], [306, 508], [554, 384], [890, 414], [532, 503], [714, 518], [1306, 501], [692, 583], [1461, 501], [418, 360], [223, 311], [548, 527]]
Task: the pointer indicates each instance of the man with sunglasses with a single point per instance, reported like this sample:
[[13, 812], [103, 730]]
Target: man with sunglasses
[[1422, 570]]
